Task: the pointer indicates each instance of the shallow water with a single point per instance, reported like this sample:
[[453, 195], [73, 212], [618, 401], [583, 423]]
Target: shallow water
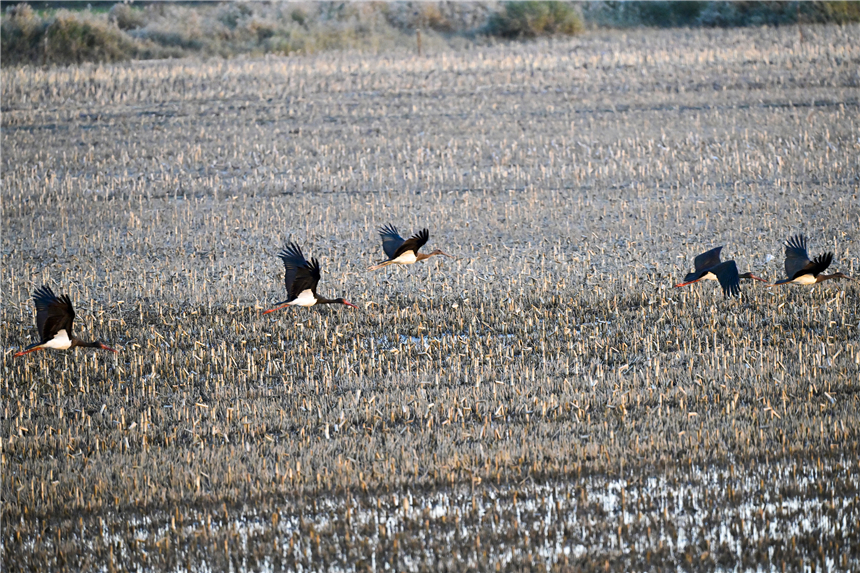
[[761, 517]]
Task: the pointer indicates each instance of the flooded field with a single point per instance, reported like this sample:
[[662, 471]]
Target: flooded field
[[723, 519], [543, 400]]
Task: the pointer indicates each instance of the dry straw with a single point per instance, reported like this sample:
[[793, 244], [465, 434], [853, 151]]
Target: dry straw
[[573, 181]]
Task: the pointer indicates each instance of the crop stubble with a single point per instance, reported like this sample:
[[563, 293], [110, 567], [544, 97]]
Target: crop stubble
[[574, 181]]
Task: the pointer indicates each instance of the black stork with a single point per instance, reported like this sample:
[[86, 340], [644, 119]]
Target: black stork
[[301, 278], [709, 267], [403, 251], [803, 271], [54, 318]]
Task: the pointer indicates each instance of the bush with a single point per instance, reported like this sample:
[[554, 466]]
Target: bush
[[231, 14], [67, 37], [126, 18], [719, 14], [533, 19], [448, 17], [21, 35], [836, 12], [163, 29], [666, 14], [71, 39]]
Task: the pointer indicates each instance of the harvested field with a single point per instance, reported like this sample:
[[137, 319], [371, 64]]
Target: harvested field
[[544, 400]]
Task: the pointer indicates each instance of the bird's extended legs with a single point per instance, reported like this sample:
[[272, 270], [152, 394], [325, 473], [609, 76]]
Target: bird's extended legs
[[276, 308], [23, 352]]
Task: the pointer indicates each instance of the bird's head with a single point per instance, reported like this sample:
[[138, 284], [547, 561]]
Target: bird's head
[[751, 277], [345, 302], [438, 252]]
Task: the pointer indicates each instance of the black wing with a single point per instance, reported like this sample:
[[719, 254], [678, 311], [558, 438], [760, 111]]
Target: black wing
[[53, 313], [300, 274], [796, 258], [391, 239], [797, 261], [708, 260], [818, 264], [727, 274], [413, 243]]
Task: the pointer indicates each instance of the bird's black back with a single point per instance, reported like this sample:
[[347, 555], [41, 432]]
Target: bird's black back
[[413, 243], [300, 274], [53, 313]]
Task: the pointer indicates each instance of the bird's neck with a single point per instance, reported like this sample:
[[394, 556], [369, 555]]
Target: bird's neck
[[422, 256], [822, 278], [323, 300], [77, 342]]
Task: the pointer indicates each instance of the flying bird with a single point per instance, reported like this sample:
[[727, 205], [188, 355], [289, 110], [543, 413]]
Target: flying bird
[[709, 267], [301, 278], [403, 251], [54, 318], [803, 271]]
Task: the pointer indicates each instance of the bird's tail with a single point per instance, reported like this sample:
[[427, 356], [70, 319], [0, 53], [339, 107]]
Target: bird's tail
[[380, 265]]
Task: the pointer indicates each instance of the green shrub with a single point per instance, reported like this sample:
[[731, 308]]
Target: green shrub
[[21, 34], [532, 19], [163, 29], [666, 14], [127, 18], [835, 12], [232, 13], [70, 39], [299, 16], [719, 14], [444, 17]]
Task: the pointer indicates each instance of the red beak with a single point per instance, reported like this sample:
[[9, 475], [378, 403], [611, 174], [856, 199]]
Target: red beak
[[106, 347], [347, 303]]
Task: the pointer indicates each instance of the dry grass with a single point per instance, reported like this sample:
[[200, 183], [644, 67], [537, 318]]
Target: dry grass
[[574, 181]]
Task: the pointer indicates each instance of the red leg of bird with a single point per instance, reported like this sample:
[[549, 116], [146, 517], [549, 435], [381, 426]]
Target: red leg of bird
[[276, 308], [687, 283], [754, 278], [380, 265], [23, 352]]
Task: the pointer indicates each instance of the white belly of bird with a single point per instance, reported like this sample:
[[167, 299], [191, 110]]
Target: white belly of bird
[[406, 258], [709, 276], [804, 280], [60, 341], [305, 298]]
